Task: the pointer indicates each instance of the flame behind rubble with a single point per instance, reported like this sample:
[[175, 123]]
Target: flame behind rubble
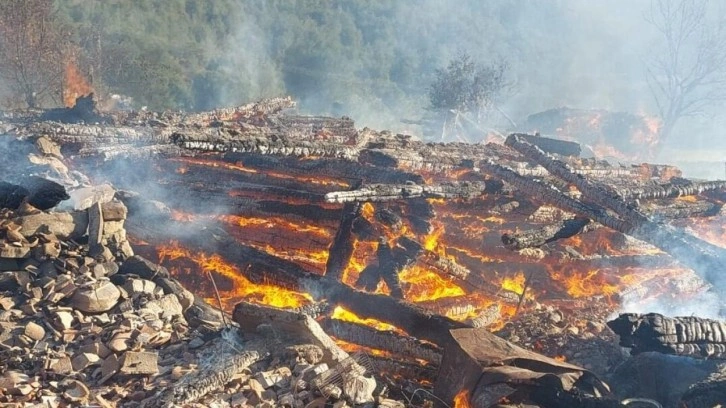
[[74, 84]]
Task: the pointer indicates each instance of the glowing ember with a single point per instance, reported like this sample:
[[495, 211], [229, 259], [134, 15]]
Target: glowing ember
[[348, 316], [180, 216], [242, 288], [319, 180], [461, 400], [355, 348], [277, 222]]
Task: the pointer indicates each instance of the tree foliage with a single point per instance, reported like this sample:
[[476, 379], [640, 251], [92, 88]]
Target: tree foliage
[[467, 86]]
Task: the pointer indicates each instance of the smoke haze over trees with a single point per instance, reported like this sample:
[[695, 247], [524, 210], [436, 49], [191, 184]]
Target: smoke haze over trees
[[374, 60]]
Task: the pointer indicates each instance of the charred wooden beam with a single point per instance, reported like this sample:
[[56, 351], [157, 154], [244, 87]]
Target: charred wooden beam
[[687, 336], [706, 259], [546, 234], [342, 247], [549, 145], [261, 108], [388, 192], [672, 190], [661, 210], [390, 262], [403, 346]]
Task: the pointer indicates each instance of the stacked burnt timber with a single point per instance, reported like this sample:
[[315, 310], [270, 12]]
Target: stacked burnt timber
[[683, 336], [704, 258]]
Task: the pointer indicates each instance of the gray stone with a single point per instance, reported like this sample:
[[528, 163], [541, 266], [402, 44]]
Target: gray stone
[[98, 297]]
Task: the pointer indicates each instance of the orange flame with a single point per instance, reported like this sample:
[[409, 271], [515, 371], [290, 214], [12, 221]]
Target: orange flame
[[242, 288], [74, 85], [347, 316], [461, 400]]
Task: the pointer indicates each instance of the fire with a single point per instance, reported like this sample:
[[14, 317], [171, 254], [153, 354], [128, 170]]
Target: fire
[[363, 254], [712, 229], [461, 400], [180, 216], [514, 284], [238, 166], [277, 222], [211, 163], [355, 348], [74, 84], [242, 288], [585, 284], [347, 316], [426, 285]]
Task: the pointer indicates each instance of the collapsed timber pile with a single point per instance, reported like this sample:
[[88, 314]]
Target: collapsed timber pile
[[409, 251]]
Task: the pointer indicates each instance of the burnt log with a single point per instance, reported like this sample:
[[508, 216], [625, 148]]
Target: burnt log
[[549, 145], [390, 192], [546, 234], [681, 188], [675, 210], [400, 346], [342, 247], [684, 336], [402, 370], [390, 262]]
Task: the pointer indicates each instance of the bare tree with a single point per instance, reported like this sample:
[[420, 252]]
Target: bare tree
[[32, 45], [688, 76]]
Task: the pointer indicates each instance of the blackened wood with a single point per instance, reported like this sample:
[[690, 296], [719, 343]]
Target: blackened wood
[[342, 247], [389, 192], [670, 190], [548, 233], [400, 346], [705, 259], [688, 336], [549, 145]]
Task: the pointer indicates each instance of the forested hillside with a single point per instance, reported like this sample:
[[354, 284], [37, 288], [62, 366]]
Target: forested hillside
[[373, 60]]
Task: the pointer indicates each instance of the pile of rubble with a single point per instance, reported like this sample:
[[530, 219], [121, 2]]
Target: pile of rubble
[[85, 322]]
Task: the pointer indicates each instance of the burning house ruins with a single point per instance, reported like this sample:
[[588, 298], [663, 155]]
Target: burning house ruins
[[353, 267]]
